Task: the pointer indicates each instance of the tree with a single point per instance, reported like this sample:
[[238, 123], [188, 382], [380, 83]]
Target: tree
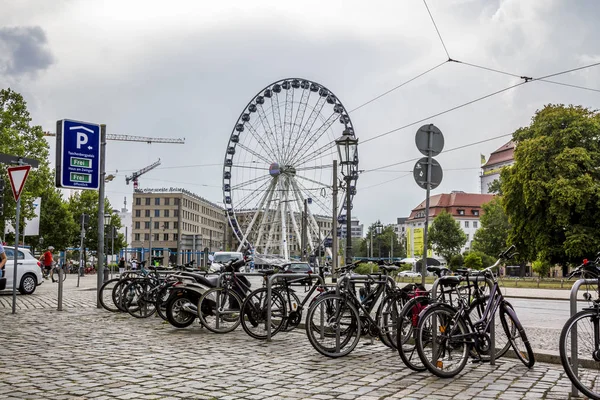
[[456, 261], [445, 236], [18, 137], [491, 238], [552, 192], [382, 242], [86, 202], [57, 224], [541, 267], [473, 261]]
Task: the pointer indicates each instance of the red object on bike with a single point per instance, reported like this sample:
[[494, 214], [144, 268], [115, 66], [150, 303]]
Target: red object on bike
[[585, 261]]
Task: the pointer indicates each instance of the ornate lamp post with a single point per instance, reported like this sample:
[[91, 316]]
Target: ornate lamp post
[[347, 146]]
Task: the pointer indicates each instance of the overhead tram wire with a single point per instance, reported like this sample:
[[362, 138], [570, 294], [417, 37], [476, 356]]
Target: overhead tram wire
[[437, 30]]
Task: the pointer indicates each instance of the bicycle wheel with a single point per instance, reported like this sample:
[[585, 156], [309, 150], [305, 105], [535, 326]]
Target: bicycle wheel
[[161, 300], [333, 325], [584, 328], [502, 344], [441, 341], [105, 295], [254, 313], [119, 296], [293, 313], [387, 319], [142, 303], [406, 332], [219, 310], [516, 336]]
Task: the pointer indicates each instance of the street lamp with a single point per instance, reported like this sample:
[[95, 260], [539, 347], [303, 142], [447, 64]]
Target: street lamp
[[378, 230], [347, 146]]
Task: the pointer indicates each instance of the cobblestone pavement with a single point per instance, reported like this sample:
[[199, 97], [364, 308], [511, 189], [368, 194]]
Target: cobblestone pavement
[[86, 353]]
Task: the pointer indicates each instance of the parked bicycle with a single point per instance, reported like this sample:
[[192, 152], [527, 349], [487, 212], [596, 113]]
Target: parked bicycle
[[446, 336], [582, 331]]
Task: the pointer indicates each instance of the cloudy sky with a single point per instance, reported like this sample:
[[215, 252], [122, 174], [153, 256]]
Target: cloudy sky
[[188, 69]]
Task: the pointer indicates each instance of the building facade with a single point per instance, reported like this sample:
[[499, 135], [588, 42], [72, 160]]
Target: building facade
[[175, 221], [499, 159], [466, 208], [357, 229]]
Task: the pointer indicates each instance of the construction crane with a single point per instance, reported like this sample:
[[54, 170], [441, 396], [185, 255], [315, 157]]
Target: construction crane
[[134, 177], [129, 138]]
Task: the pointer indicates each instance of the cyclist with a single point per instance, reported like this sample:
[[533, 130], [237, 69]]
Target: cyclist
[[47, 259]]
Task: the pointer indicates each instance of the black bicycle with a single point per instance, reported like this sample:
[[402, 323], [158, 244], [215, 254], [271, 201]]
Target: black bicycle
[[446, 336], [582, 334]]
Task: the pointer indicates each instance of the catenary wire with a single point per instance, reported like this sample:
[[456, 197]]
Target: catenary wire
[[436, 29]]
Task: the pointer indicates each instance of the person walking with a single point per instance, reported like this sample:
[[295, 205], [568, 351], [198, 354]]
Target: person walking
[[47, 259], [134, 263], [121, 266]]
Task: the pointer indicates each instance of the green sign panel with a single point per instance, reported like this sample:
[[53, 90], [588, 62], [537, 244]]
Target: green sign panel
[[81, 162], [76, 177]]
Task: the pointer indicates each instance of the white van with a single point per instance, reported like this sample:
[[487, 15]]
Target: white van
[[220, 258]]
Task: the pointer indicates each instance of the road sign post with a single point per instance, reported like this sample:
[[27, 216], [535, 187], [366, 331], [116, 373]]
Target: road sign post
[[430, 142], [17, 175]]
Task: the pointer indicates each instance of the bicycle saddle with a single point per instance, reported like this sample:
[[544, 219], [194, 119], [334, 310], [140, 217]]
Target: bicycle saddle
[[438, 270], [451, 280], [210, 281], [389, 268]]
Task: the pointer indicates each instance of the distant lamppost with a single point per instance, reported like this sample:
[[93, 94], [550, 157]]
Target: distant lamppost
[[378, 230], [347, 146]]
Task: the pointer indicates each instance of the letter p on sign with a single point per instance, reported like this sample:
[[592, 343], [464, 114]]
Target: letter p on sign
[[82, 139]]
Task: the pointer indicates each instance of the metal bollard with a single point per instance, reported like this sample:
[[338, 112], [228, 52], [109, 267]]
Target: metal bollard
[[60, 288]]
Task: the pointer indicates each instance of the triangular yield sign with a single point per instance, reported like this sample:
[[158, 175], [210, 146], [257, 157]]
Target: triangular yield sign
[[18, 176]]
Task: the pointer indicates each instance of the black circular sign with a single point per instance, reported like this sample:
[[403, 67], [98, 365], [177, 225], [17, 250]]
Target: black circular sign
[[422, 140], [420, 173]]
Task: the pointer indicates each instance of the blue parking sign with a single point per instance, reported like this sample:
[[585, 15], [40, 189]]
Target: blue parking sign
[[77, 155]]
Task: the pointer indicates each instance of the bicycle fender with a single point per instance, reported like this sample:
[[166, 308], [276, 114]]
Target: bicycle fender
[[440, 305]]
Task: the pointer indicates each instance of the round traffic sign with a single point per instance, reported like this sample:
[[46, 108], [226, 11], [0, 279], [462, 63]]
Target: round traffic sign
[[423, 143], [420, 173]]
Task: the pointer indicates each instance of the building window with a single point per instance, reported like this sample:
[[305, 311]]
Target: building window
[[166, 237], [176, 213], [138, 213], [176, 201], [167, 213], [468, 236], [156, 224], [156, 237], [146, 236], [475, 212], [147, 225], [138, 201], [137, 224], [157, 213], [466, 224], [175, 237], [176, 225], [461, 212], [474, 224], [147, 213], [166, 225], [137, 237], [157, 201], [147, 201]]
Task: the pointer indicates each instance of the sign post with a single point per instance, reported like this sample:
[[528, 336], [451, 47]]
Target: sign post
[[18, 175], [430, 142], [80, 150]]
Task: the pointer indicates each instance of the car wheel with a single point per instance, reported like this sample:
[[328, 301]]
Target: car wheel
[[28, 284]]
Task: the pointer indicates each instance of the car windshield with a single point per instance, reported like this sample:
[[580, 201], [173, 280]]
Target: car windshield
[[299, 267], [224, 258]]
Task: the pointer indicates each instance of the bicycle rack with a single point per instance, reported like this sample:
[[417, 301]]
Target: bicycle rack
[[490, 283], [573, 302], [269, 286]]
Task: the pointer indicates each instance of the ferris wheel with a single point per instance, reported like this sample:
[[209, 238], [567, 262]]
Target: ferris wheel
[[279, 160]]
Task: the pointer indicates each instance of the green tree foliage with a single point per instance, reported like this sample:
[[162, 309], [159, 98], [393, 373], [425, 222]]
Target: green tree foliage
[[473, 261], [552, 192], [57, 225], [18, 137], [445, 236], [456, 261], [492, 236], [382, 243], [541, 267], [86, 202]]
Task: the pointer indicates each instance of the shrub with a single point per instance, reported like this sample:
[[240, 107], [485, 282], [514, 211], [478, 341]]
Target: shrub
[[456, 261], [473, 261], [365, 268]]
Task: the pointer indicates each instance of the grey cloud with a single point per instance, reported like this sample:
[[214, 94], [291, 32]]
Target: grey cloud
[[24, 50]]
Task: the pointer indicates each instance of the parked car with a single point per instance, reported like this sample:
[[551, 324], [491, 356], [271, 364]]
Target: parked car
[[220, 258], [29, 273], [298, 268], [410, 274]]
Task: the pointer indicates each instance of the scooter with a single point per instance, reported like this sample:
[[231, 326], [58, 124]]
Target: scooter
[[181, 306]]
